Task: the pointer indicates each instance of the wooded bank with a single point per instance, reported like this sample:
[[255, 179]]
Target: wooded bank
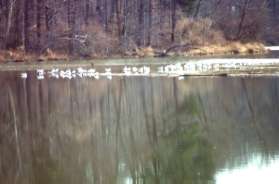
[[106, 28]]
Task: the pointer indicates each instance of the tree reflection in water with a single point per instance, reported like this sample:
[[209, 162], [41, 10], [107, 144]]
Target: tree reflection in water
[[130, 130], [183, 156]]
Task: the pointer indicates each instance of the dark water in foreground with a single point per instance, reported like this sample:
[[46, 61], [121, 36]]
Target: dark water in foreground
[[139, 130]]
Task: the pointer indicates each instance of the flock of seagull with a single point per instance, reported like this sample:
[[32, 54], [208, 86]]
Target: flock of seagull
[[56, 73], [88, 73], [171, 70]]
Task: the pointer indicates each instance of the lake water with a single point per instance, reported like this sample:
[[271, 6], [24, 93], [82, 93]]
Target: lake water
[[139, 130]]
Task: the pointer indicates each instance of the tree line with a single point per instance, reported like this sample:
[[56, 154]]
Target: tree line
[[84, 26]]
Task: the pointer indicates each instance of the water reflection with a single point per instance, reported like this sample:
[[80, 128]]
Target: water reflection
[[255, 171], [135, 130]]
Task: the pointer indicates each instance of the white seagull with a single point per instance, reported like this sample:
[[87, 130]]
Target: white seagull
[[23, 75]]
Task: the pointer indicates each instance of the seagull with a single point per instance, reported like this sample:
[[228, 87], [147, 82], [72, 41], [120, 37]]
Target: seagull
[[54, 73], [55, 70], [141, 70], [108, 73], [96, 75], [65, 74], [127, 71], [144, 70], [81, 72], [68, 74], [135, 69], [24, 75], [108, 70], [40, 77], [168, 69], [91, 72], [74, 73], [40, 72], [161, 69]]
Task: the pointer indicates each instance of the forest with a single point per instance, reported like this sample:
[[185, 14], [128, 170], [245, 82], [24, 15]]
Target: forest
[[92, 28]]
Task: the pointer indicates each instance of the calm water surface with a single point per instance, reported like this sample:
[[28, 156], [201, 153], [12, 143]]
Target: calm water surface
[[139, 130]]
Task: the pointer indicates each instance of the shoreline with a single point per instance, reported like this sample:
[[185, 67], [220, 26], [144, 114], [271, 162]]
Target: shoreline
[[232, 49]]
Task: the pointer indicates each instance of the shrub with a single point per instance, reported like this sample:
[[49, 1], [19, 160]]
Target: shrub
[[99, 42], [198, 32]]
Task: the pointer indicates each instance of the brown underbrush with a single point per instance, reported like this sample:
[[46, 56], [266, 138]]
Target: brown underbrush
[[230, 48], [18, 55]]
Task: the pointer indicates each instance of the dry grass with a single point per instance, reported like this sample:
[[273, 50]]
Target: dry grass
[[50, 55], [141, 52], [2, 58], [21, 56], [233, 48], [229, 48], [145, 52], [15, 55]]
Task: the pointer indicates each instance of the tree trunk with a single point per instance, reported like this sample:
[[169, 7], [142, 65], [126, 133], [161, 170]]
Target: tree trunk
[[106, 15], [87, 8], [71, 24], [242, 19], [38, 23], [99, 11], [47, 16], [70, 45], [26, 25], [17, 31], [124, 31], [150, 15], [118, 18], [140, 22], [9, 21], [173, 19]]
